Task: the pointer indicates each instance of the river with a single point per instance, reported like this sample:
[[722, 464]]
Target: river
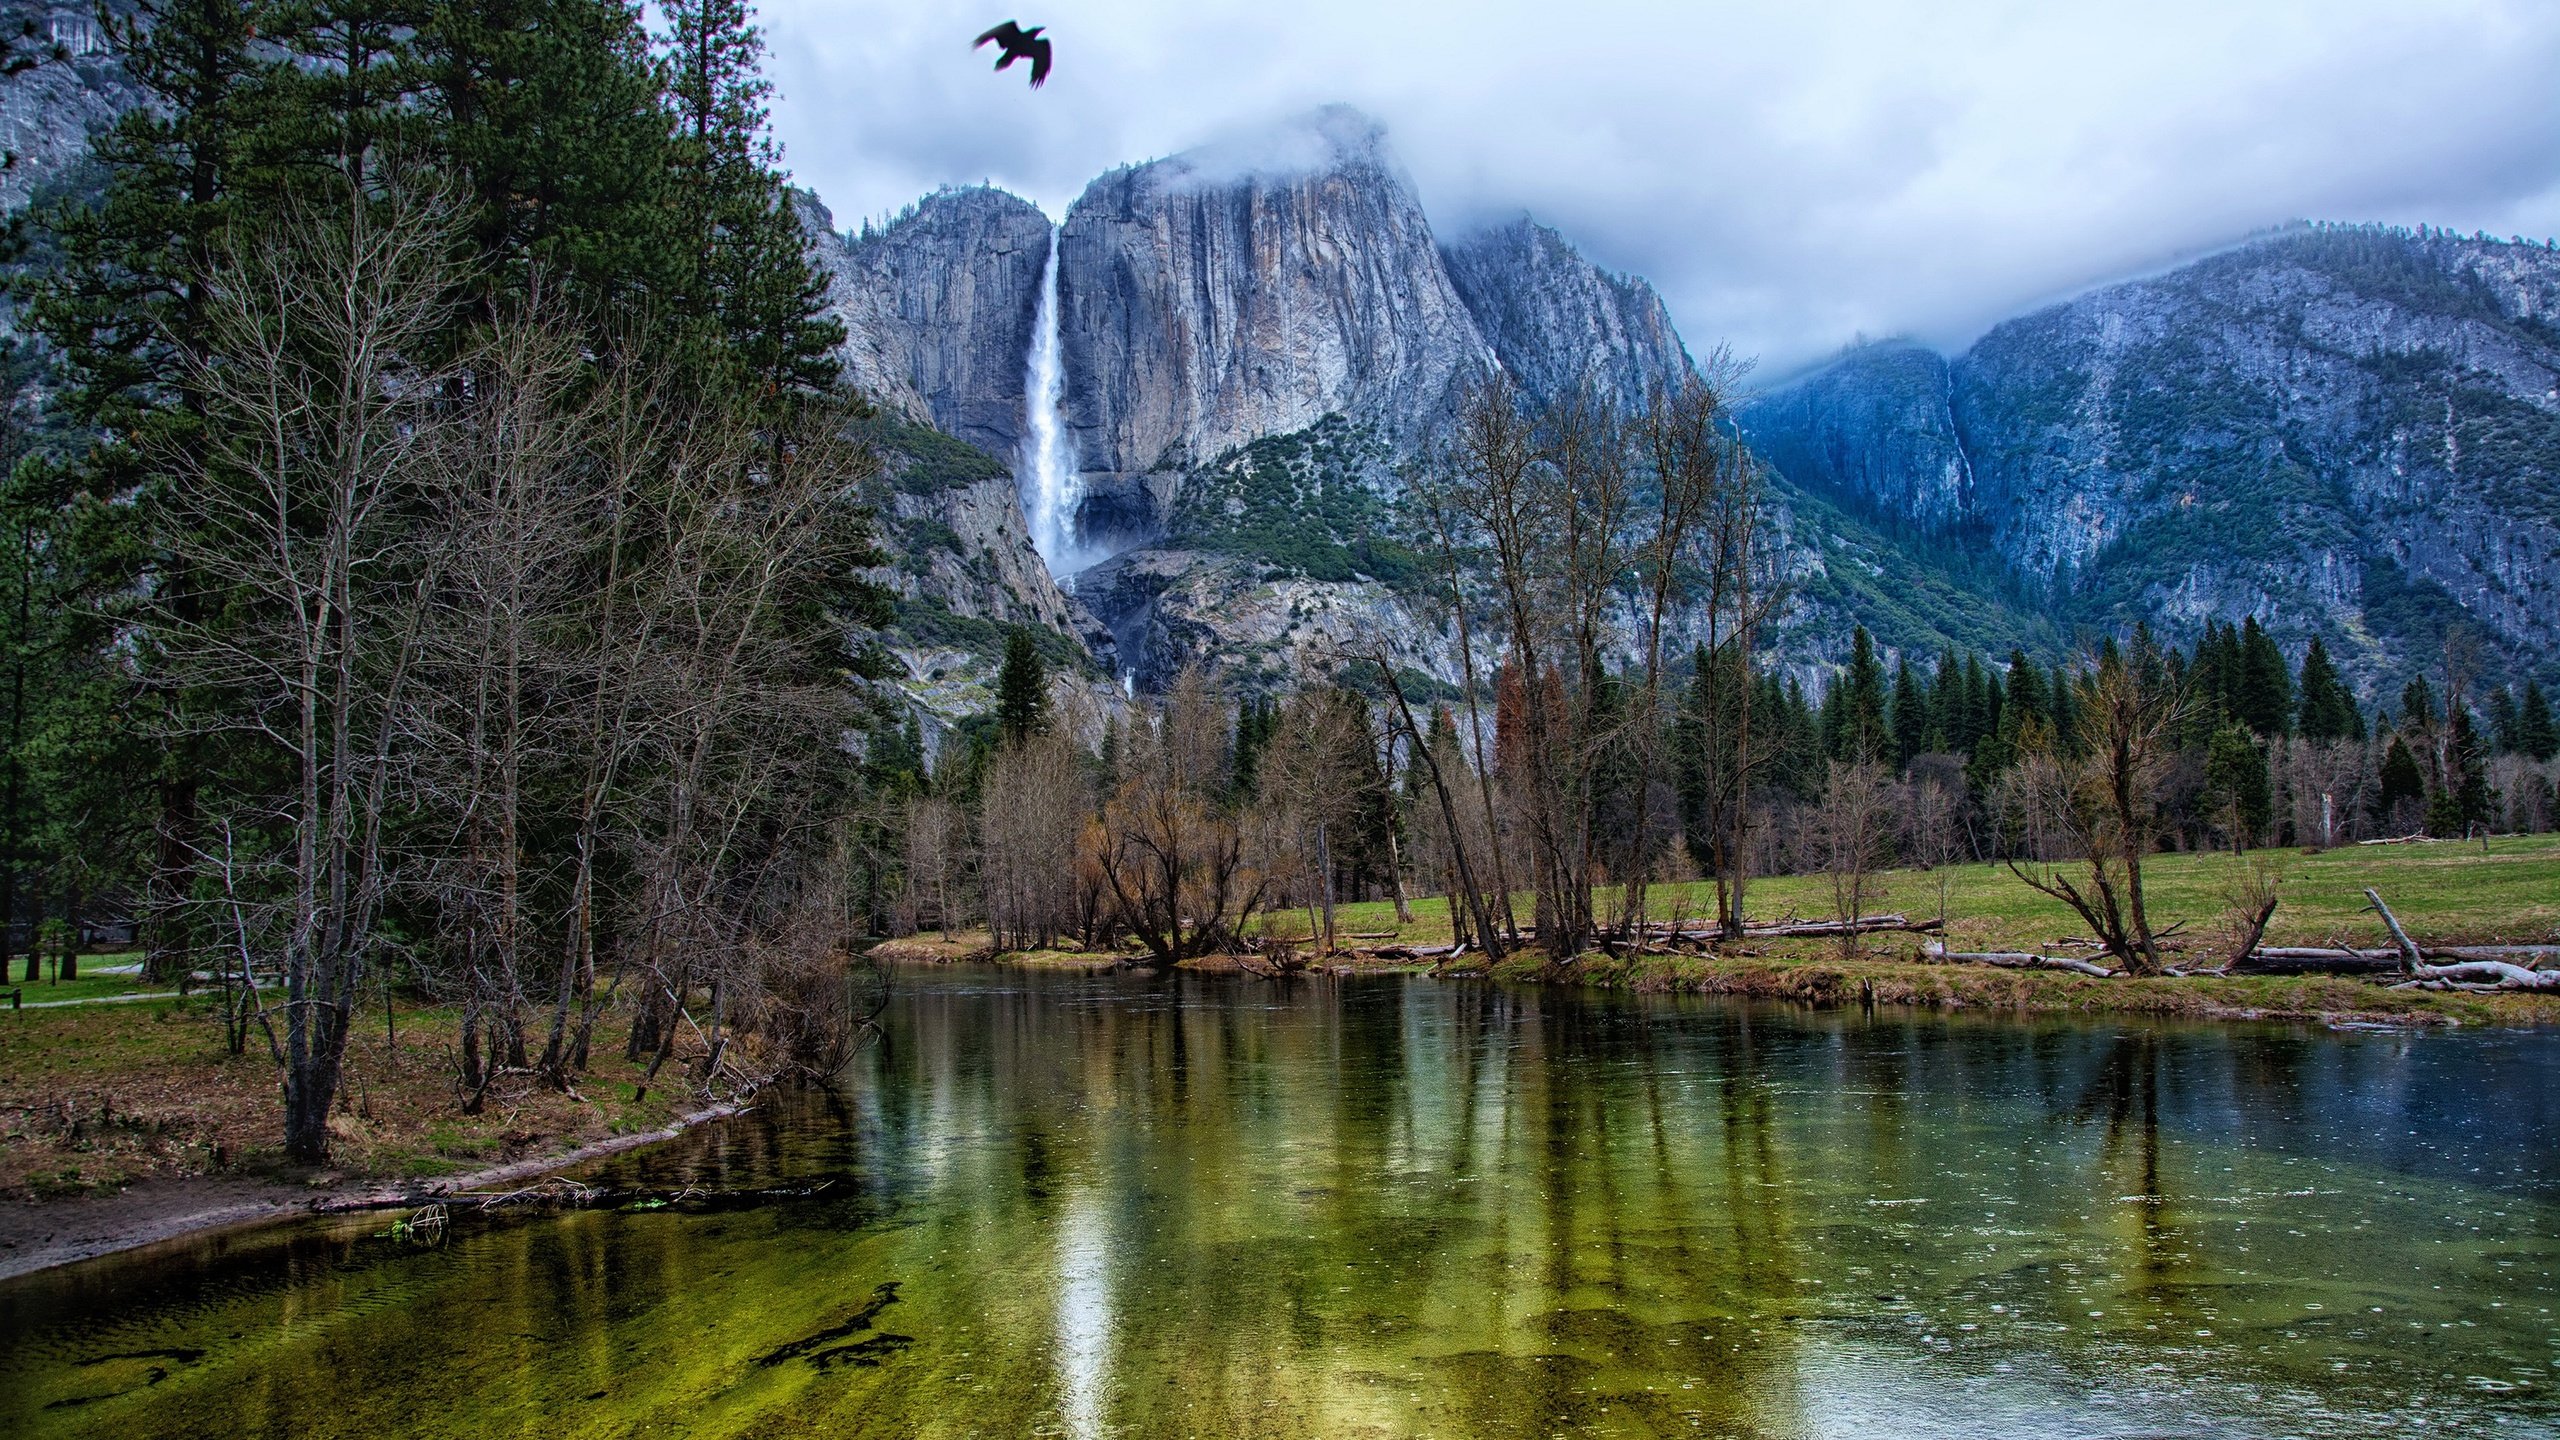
[[1114, 1206]]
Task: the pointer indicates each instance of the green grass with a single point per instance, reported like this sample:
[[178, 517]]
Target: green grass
[[2445, 892], [88, 987]]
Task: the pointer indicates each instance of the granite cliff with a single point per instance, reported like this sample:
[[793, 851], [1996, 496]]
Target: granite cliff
[[1255, 334], [2347, 431]]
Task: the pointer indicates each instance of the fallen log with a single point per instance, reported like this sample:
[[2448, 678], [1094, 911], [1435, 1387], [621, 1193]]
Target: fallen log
[[2302, 960], [2418, 839], [1863, 925], [2497, 974], [2531, 956], [2487, 972], [2408, 947], [2016, 960]]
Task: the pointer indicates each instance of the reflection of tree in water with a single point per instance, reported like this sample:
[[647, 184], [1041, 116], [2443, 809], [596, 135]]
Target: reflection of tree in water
[[2122, 1094], [1639, 1253]]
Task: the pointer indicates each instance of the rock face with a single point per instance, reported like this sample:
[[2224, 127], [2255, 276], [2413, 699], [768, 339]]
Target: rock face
[[48, 111], [1877, 430], [2353, 432], [937, 308], [961, 565], [1249, 290], [1254, 332], [1556, 320]]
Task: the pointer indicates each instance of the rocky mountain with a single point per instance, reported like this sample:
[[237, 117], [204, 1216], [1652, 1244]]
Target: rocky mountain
[[1254, 334], [1251, 289], [2350, 432], [1555, 320], [937, 308], [2346, 431]]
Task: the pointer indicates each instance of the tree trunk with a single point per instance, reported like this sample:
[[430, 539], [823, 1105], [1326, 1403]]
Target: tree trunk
[[1324, 873]]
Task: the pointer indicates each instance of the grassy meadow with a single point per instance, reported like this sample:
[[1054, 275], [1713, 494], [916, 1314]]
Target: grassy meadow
[[2443, 891]]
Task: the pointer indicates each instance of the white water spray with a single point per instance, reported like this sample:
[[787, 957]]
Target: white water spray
[[1051, 491]]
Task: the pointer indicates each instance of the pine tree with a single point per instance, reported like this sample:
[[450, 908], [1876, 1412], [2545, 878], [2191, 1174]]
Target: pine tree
[[2503, 720], [126, 313], [1798, 749], [1853, 715], [2536, 736], [2472, 804], [1982, 699], [1022, 689], [2403, 783], [1257, 720], [548, 115], [1946, 698], [751, 277], [2214, 675], [2263, 694], [1910, 715], [2328, 708], [2025, 694], [2236, 785]]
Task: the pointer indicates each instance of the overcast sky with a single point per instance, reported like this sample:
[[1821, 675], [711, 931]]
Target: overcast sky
[[1790, 173]]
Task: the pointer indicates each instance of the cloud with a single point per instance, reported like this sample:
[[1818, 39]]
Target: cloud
[[1788, 174]]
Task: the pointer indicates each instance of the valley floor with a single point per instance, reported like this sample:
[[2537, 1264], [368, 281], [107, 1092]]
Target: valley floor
[[125, 1123], [2445, 892]]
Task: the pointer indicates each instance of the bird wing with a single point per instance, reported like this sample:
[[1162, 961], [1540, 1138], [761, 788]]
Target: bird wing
[[1039, 62], [1005, 34]]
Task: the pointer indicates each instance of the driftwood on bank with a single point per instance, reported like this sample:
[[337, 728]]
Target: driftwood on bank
[[2312, 960], [2016, 960], [1863, 925]]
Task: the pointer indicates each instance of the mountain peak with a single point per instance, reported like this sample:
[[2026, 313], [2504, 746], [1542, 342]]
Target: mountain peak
[[1329, 139]]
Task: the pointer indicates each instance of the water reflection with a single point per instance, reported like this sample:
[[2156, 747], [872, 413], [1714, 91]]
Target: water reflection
[[1084, 1313], [1115, 1207]]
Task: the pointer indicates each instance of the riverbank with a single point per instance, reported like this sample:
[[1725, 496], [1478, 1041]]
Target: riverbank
[[1815, 979], [65, 1229], [126, 1124], [1813, 973]]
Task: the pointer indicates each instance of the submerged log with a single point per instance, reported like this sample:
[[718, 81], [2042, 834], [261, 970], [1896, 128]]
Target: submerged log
[[2017, 960]]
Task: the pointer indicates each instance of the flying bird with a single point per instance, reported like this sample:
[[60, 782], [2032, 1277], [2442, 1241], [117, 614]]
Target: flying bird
[[1020, 44]]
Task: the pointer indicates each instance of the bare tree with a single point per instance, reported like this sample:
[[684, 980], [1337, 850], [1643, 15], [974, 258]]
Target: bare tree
[[2250, 893], [1173, 862], [1684, 440], [2100, 801], [1464, 831], [738, 750], [1311, 782], [1849, 837], [936, 857], [1032, 807], [1935, 836], [298, 512]]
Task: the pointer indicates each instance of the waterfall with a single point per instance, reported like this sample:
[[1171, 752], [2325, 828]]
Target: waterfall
[[1051, 492]]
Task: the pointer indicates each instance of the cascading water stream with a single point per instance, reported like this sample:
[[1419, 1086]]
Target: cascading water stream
[[1051, 492]]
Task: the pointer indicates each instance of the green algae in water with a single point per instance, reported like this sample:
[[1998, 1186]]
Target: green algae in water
[[1087, 1206]]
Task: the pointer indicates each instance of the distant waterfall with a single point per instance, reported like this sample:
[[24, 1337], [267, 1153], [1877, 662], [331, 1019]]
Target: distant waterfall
[[1051, 492]]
